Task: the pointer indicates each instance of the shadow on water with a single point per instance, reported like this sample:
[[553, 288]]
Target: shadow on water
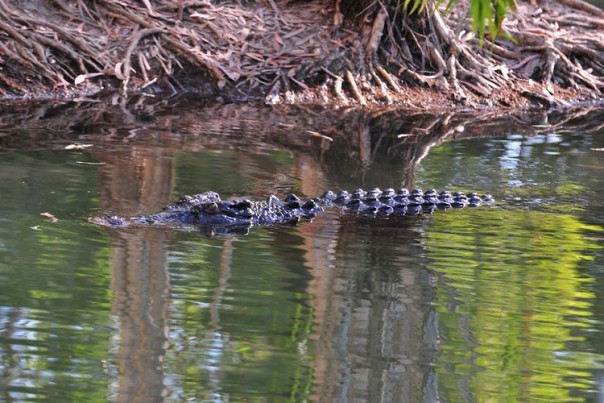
[[353, 147], [500, 303]]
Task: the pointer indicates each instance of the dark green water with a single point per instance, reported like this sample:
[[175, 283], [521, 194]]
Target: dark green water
[[493, 304]]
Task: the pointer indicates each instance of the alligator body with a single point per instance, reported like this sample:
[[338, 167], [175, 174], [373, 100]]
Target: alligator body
[[208, 209]]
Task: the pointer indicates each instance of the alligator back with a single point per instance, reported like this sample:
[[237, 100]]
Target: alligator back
[[208, 209]]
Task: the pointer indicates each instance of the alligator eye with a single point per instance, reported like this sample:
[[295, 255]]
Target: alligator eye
[[211, 208], [207, 197], [186, 199]]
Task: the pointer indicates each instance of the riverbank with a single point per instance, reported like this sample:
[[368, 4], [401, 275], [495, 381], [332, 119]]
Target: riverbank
[[292, 52]]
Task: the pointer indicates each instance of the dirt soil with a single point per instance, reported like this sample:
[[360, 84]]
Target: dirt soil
[[300, 52]]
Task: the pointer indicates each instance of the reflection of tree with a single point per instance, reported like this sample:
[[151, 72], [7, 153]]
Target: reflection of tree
[[389, 139], [545, 171], [143, 179], [135, 181], [510, 296], [375, 326], [223, 337], [367, 144], [140, 286]]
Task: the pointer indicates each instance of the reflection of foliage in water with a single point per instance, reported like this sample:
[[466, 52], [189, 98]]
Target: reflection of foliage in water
[[54, 293], [545, 172], [509, 298], [233, 318]]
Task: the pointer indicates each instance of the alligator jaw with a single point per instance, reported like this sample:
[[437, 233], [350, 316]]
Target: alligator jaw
[[110, 221]]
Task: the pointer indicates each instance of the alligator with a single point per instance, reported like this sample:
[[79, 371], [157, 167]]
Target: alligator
[[209, 210]]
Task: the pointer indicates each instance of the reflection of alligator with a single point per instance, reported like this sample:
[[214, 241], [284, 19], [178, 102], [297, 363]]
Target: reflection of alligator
[[207, 209]]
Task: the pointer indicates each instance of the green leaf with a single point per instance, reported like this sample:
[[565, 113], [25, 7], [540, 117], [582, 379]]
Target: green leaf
[[419, 6], [406, 4], [487, 15]]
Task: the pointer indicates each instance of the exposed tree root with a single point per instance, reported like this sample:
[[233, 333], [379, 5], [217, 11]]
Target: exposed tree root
[[547, 48], [340, 52]]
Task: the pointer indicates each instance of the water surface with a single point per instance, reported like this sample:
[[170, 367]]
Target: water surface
[[489, 304]]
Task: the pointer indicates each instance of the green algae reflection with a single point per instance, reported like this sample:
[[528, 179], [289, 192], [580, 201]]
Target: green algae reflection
[[512, 301]]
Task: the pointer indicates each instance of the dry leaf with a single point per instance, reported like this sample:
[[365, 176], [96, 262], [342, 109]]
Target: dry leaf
[[83, 77], [245, 32], [317, 134], [51, 217], [278, 39], [77, 146], [79, 79], [203, 16], [118, 71]]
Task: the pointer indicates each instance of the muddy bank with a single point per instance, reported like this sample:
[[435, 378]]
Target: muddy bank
[[295, 52]]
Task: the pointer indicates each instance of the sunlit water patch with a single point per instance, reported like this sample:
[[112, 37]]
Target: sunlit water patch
[[514, 304]]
